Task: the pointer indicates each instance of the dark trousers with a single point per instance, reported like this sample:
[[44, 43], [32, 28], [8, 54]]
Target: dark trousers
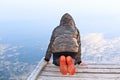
[[57, 55]]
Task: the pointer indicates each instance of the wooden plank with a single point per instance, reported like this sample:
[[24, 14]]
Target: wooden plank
[[81, 75], [74, 78], [115, 71], [37, 70], [110, 66], [90, 72]]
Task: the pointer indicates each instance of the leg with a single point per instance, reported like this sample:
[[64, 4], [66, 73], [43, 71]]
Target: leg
[[63, 66], [71, 66], [56, 60], [71, 54]]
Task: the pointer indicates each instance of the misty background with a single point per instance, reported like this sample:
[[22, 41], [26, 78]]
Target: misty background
[[26, 27]]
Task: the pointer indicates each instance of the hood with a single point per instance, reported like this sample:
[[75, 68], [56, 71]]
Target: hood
[[67, 20]]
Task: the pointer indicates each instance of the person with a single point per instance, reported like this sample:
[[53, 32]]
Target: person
[[65, 45]]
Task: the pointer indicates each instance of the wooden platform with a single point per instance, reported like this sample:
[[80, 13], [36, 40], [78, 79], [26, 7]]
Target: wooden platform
[[90, 72]]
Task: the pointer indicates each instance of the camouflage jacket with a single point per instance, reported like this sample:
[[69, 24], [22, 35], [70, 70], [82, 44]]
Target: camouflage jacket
[[65, 38]]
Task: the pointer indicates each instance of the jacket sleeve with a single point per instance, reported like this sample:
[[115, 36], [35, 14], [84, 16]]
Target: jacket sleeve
[[49, 49], [78, 55]]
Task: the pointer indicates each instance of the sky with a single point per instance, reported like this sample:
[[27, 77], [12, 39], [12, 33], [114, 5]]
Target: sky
[[38, 18]]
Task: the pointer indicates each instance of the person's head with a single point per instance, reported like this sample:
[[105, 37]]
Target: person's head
[[67, 20]]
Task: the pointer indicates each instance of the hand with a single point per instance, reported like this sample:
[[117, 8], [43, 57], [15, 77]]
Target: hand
[[83, 64], [46, 61]]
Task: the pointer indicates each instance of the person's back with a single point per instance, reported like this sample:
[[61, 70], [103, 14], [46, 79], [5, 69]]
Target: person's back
[[65, 41]]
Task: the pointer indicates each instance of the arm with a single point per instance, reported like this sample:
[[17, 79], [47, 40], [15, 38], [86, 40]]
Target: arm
[[49, 50], [78, 55]]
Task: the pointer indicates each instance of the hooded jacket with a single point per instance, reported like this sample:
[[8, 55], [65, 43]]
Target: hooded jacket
[[65, 38]]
